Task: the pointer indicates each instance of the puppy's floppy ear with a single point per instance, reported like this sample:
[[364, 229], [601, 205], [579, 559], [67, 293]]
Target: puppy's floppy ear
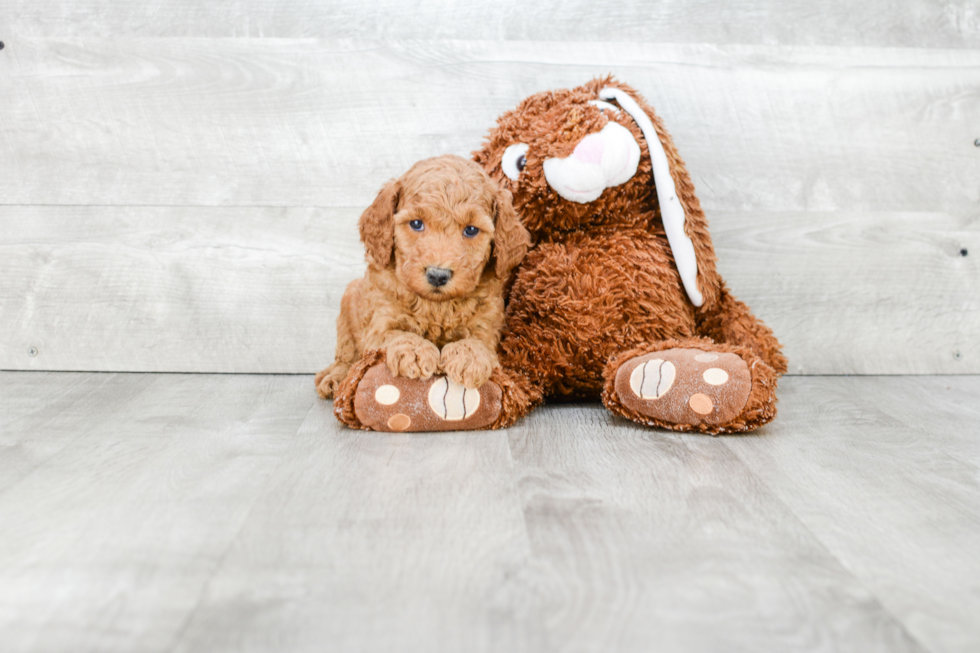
[[377, 226], [510, 238]]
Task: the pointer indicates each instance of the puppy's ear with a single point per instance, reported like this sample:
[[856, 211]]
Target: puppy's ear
[[377, 226], [510, 238]]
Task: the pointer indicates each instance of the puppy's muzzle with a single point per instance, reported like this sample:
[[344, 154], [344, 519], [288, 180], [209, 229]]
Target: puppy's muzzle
[[438, 277]]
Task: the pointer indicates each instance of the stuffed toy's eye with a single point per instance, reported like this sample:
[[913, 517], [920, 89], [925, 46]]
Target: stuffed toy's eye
[[604, 106], [514, 160], [471, 231], [416, 225]]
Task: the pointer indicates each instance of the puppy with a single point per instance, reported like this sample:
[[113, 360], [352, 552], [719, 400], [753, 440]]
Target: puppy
[[441, 242]]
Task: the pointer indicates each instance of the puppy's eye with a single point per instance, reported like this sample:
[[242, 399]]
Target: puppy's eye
[[470, 231], [514, 160], [416, 225]]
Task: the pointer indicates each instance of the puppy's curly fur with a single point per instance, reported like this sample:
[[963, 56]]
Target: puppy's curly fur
[[444, 214]]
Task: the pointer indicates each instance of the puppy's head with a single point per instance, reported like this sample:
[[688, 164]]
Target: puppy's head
[[439, 226]]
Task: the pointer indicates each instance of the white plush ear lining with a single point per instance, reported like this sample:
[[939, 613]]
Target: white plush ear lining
[[671, 209]]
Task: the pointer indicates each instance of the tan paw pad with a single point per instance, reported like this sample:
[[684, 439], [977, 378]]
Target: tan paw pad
[[399, 422], [387, 395], [715, 376], [701, 404], [452, 401], [653, 379]]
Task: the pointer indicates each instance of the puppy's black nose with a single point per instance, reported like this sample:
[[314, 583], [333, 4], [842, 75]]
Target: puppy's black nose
[[438, 276]]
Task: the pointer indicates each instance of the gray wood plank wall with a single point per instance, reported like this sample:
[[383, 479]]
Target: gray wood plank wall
[[179, 185]]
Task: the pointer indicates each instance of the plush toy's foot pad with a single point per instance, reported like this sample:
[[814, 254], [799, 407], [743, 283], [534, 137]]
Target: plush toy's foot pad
[[685, 386], [387, 403]]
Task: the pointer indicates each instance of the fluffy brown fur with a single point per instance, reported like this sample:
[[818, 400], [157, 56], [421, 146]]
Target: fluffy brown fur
[[600, 285], [600, 288], [423, 328]]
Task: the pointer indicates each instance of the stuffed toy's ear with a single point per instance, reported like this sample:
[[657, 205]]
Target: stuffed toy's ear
[[510, 238], [377, 226], [680, 210]]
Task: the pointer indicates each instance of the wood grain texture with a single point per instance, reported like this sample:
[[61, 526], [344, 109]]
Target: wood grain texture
[[912, 23], [258, 289], [42, 414], [107, 545], [860, 293], [377, 542], [323, 123], [645, 540], [218, 512], [174, 289], [900, 457]]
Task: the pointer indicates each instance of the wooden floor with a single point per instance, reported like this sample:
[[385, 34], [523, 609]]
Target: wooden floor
[[155, 512]]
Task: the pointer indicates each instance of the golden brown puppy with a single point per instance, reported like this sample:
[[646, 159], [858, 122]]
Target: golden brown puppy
[[441, 242]]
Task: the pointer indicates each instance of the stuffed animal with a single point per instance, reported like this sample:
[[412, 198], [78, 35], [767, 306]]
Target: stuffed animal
[[618, 297]]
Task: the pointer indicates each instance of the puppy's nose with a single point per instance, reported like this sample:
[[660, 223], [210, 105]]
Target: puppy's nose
[[438, 276]]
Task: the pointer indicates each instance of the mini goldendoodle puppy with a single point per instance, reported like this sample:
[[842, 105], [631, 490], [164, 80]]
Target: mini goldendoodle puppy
[[441, 242]]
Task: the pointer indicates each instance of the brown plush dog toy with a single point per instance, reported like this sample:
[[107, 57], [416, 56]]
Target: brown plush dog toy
[[618, 297]]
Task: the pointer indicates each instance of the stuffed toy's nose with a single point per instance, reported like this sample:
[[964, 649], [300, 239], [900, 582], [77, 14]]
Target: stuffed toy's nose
[[600, 160], [438, 277], [590, 149]]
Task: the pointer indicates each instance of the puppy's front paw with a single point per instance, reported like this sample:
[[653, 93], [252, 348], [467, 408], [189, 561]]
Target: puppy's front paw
[[467, 362], [329, 379], [412, 358]]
